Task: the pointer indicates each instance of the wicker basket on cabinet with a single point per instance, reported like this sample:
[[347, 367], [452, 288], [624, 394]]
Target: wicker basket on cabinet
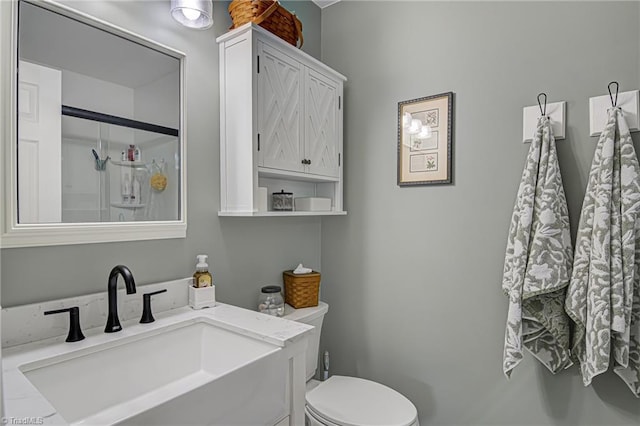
[[270, 15], [301, 290]]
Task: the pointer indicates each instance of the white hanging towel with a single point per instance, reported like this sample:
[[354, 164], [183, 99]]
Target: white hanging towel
[[538, 261], [603, 298]]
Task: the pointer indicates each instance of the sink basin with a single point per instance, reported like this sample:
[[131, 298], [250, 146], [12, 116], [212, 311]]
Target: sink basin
[[192, 372]]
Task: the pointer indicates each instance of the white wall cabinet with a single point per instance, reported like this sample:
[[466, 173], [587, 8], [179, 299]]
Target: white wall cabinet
[[280, 123]]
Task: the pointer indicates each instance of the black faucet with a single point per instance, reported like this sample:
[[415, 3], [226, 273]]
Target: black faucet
[[113, 323]]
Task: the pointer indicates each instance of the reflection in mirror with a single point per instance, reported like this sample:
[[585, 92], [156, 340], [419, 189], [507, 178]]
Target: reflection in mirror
[[98, 124]]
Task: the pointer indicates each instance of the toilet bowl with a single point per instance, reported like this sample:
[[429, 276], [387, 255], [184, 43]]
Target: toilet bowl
[[342, 400]]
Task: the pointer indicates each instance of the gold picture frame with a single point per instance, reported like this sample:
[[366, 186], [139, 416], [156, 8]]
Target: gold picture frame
[[425, 140]]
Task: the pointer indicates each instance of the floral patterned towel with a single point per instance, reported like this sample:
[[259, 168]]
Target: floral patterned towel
[[603, 298], [538, 261]]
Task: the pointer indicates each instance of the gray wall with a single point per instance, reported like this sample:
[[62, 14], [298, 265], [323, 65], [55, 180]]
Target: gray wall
[[412, 275], [310, 16], [245, 253]]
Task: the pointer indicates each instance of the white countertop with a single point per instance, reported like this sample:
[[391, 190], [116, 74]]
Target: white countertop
[[23, 401]]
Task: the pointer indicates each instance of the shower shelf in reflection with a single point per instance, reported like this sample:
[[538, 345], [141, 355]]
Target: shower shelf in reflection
[[128, 206], [133, 164]]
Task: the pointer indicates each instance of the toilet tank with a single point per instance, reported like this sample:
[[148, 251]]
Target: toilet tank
[[310, 316]]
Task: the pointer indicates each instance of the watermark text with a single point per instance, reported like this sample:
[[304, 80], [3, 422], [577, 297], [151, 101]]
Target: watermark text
[[22, 420]]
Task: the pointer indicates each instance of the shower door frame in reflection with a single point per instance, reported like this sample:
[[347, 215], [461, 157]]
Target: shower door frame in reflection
[[99, 193], [15, 234]]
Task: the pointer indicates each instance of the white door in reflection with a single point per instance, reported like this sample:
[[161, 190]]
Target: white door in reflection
[[39, 144]]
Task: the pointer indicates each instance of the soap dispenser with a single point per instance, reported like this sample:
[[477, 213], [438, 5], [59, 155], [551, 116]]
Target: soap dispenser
[[202, 293], [202, 276]]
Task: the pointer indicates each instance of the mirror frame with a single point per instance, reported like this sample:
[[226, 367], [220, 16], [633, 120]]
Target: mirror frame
[[15, 234]]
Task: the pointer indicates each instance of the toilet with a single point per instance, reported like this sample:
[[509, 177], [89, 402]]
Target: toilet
[[346, 401]]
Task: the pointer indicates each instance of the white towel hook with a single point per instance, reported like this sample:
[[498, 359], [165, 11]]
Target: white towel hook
[[554, 112], [613, 103], [543, 112]]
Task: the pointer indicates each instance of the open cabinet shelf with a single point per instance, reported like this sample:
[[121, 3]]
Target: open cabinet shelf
[[128, 206], [281, 213]]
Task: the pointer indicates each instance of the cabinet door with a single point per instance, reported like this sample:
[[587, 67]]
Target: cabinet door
[[322, 137], [279, 110]]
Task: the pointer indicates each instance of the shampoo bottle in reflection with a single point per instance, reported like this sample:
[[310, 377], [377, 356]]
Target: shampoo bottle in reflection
[[126, 189]]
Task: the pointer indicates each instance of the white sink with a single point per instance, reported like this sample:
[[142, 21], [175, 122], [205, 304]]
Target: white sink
[[192, 372]]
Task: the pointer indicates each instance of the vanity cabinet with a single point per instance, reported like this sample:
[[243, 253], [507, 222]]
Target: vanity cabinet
[[280, 123]]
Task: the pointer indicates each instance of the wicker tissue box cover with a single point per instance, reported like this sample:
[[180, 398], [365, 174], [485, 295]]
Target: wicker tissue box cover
[[301, 290]]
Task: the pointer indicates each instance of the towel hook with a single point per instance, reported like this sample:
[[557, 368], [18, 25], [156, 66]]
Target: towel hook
[[543, 111], [613, 103]]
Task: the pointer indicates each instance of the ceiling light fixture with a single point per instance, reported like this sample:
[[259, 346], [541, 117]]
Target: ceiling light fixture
[[414, 127], [406, 120], [425, 132], [416, 131], [196, 14]]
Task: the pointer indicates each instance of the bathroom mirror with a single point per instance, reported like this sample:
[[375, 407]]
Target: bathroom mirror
[[96, 137]]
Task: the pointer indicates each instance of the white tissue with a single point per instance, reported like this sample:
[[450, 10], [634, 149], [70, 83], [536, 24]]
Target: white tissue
[[302, 270]]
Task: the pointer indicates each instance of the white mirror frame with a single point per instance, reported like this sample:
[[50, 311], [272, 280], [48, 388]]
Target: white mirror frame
[[15, 234]]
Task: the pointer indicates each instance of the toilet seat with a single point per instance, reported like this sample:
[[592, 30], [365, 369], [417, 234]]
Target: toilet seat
[[312, 419], [351, 401]]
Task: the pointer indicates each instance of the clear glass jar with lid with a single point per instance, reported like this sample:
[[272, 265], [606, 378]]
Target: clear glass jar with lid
[[271, 301]]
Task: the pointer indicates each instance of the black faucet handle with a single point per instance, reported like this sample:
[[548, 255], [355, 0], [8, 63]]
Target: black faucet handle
[[148, 295], [75, 332], [147, 316]]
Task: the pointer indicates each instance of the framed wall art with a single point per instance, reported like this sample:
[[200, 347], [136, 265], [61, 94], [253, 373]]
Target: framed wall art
[[425, 140]]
